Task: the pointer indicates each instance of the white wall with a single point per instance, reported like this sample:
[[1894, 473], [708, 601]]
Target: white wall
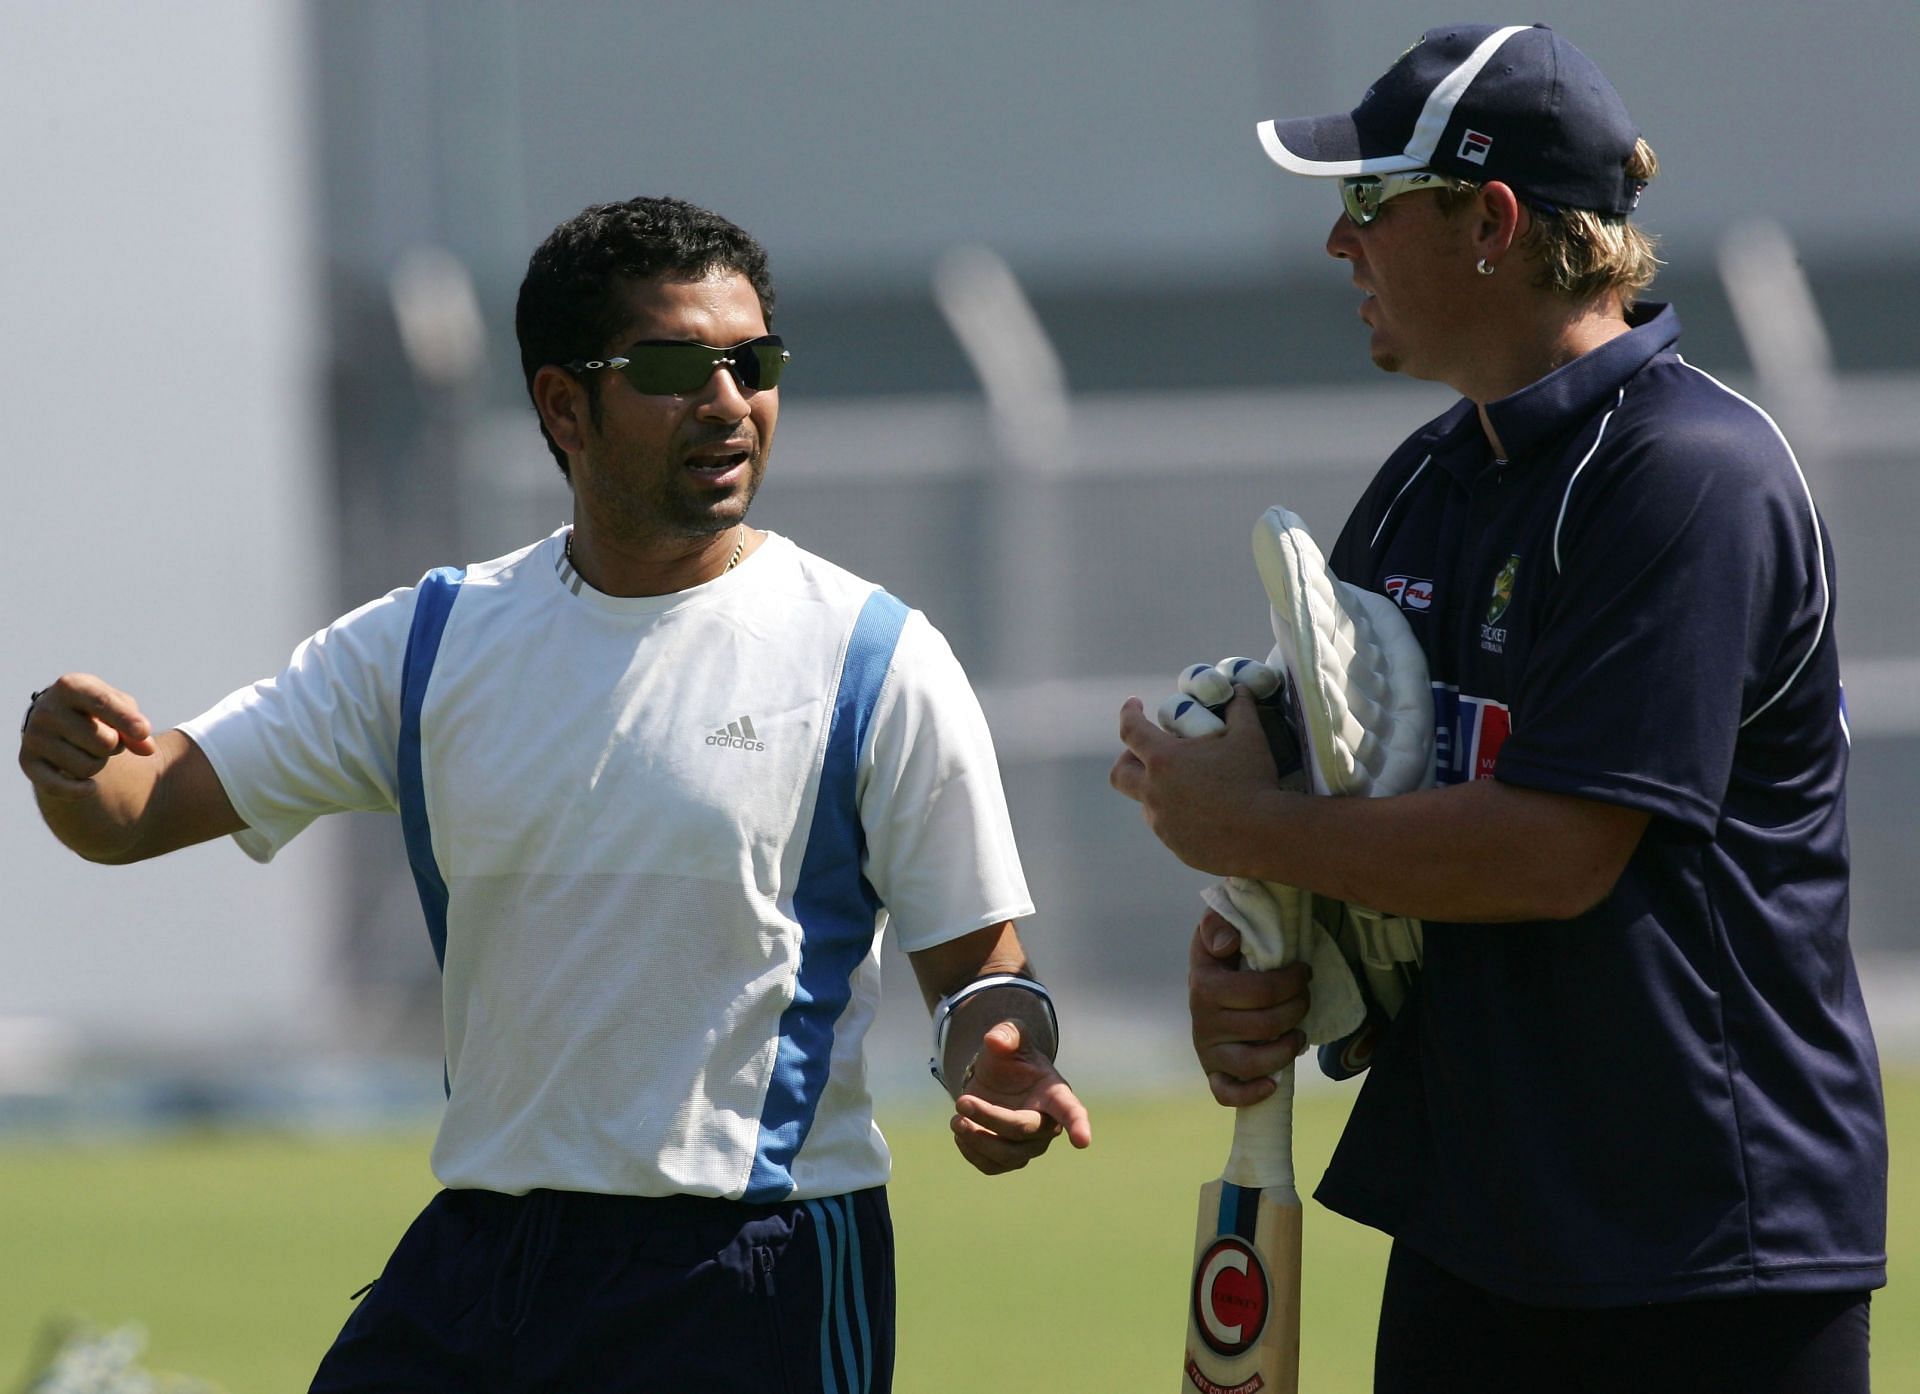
[[165, 511]]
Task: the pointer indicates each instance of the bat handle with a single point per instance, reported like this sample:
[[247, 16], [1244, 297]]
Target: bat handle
[[1272, 920], [1262, 1154]]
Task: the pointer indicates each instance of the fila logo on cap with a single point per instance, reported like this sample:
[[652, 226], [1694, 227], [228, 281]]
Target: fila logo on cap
[[1564, 135], [737, 735]]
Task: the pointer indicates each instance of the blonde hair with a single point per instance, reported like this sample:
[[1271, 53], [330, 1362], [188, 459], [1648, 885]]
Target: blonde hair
[[1583, 254]]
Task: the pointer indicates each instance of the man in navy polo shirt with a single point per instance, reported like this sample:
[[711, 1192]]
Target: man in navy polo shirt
[[1627, 1131]]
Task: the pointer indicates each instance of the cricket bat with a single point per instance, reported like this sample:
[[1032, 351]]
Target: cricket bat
[[1243, 1303]]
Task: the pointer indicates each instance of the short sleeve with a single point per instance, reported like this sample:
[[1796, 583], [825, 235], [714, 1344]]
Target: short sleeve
[[320, 737], [1688, 588], [940, 847]]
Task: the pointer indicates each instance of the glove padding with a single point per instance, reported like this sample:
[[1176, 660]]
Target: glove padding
[[1354, 689], [1361, 702]]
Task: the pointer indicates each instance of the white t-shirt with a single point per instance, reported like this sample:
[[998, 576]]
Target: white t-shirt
[[656, 839]]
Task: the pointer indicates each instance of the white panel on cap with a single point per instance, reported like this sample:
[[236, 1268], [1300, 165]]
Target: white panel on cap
[[1427, 130], [1329, 169], [1446, 96]]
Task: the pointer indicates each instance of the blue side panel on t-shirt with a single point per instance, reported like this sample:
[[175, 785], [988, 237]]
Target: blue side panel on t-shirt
[[432, 604], [1676, 1093], [834, 903]]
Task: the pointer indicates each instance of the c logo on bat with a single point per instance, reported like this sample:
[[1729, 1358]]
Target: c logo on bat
[[1230, 1296]]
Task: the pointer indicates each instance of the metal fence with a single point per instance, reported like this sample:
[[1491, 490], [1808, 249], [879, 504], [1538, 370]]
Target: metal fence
[[1078, 548]]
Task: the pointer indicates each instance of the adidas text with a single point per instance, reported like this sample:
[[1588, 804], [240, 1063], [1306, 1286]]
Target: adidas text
[[737, 735]]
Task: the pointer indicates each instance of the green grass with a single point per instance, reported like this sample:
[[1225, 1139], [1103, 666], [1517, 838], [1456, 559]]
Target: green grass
[[238, 1252]]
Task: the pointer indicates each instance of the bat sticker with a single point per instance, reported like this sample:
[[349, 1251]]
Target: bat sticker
[[1230, 1296]]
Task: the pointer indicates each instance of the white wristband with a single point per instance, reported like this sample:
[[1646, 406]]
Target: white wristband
[[943, 1012]]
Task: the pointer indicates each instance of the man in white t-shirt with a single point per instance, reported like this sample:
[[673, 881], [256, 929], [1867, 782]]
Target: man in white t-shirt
[[663, 780]]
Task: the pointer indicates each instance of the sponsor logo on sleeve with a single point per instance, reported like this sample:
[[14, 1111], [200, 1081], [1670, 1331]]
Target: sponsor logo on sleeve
[[1410, 592], [1467, 735]]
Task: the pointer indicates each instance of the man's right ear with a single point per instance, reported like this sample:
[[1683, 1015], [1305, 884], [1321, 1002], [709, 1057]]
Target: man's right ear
[[561, 400]]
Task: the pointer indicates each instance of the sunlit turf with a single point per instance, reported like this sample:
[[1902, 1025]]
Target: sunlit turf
[[238, 1251]]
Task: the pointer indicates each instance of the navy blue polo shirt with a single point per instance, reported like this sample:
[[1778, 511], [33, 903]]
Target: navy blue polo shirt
[[1676, 1094]]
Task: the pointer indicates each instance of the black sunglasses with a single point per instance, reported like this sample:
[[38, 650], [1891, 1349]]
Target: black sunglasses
[[663, 367]]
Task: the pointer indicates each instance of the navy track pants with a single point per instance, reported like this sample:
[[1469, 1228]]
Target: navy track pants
[[574, 1293]]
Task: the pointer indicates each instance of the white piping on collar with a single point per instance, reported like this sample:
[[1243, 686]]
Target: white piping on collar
[[1396, 502], [1573, 479]]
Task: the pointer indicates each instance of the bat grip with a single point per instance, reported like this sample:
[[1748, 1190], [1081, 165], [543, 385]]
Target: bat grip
[[1262, 1152]]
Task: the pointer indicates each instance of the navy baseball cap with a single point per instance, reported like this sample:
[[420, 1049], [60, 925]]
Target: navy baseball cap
[[1518, 104]]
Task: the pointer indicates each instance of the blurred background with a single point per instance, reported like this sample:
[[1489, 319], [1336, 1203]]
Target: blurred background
[[1061, 333]]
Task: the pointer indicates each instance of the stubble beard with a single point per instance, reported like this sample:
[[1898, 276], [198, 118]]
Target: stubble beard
[[668, 506]]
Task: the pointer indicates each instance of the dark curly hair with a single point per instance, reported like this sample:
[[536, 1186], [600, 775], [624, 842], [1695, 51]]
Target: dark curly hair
[[569, 305]]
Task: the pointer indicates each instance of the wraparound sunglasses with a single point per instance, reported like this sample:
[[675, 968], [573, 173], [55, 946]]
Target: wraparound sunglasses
[[674, 367], [1363, 195]]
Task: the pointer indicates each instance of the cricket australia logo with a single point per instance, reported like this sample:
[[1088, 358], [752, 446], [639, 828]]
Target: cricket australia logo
[[737, 735], [1493, 634]]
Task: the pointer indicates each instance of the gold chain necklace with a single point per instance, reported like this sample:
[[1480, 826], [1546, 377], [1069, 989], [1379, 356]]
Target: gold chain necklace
[[732, 561]]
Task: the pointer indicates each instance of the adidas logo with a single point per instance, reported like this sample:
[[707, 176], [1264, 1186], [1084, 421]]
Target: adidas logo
[[737, 735]]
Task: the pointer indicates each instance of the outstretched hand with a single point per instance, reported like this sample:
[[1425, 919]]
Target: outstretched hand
[[73, 728], [1013, 1103]]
